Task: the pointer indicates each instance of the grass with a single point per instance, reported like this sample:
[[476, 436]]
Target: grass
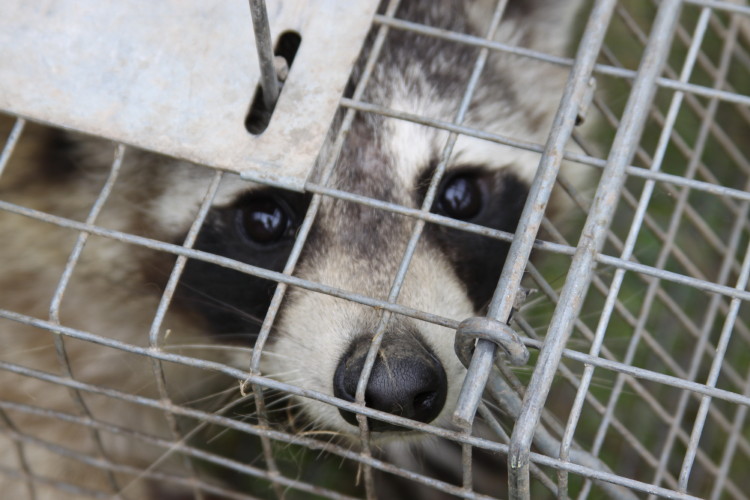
[[673, 323]]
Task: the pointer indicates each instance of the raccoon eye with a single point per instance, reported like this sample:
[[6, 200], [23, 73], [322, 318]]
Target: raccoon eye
[[461, 197], [264, 221]]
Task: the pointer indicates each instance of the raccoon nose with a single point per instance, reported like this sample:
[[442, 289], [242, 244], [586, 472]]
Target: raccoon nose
[[406, 380]]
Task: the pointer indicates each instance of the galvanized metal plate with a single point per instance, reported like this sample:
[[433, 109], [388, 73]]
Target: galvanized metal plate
[[178, 76]]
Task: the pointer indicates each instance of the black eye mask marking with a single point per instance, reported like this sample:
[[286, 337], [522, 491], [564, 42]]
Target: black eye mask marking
[[493, 199], [257, 229]]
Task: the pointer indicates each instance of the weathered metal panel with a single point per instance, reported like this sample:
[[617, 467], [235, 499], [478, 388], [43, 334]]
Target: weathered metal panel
[[178, 76]]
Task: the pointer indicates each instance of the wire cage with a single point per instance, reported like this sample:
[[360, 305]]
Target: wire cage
[[633, 311]]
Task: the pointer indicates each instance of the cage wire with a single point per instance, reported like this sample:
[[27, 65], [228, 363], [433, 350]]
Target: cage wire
[[635, 314]]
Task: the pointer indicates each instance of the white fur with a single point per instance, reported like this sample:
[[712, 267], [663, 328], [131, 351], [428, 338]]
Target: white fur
[[107, 295]]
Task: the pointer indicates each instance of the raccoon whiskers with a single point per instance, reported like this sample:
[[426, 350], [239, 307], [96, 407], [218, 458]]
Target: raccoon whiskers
[[225, 392], [199, 297], [184, 440], [272, 407], [316, 433], [207, 347], [30, 350], [312, 430], [185, 342]]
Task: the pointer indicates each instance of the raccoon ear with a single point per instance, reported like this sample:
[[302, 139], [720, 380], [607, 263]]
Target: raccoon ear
[[544, 25]]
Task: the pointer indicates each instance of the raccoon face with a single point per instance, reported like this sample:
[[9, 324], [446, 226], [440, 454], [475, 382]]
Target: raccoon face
[[320, 342]]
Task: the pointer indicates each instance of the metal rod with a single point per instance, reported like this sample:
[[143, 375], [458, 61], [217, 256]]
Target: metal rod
[[54, 309], [726, 267], [533, 213], [11, 142], [154, 336], [694, 274], [585, 159], [268, 80], [629, 244], [592, 239], [416, 233], [304, 231], [396, 308], [344, 452], [602, 69]]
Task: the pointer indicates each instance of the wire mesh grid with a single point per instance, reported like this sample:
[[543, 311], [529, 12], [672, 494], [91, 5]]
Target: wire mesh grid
[[638, 383]]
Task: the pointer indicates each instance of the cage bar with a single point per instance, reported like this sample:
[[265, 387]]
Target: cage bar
[[638, 385]]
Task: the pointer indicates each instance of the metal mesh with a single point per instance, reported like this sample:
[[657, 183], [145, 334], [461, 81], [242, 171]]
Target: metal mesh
[[639, 381]]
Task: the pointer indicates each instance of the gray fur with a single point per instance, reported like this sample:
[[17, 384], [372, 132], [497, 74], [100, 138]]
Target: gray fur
[[352, 247]]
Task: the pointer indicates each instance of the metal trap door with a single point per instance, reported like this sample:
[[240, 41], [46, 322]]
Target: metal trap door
[[179, 77]]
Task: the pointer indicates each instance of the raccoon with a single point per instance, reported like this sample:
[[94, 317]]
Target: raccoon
[[319, 342]]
